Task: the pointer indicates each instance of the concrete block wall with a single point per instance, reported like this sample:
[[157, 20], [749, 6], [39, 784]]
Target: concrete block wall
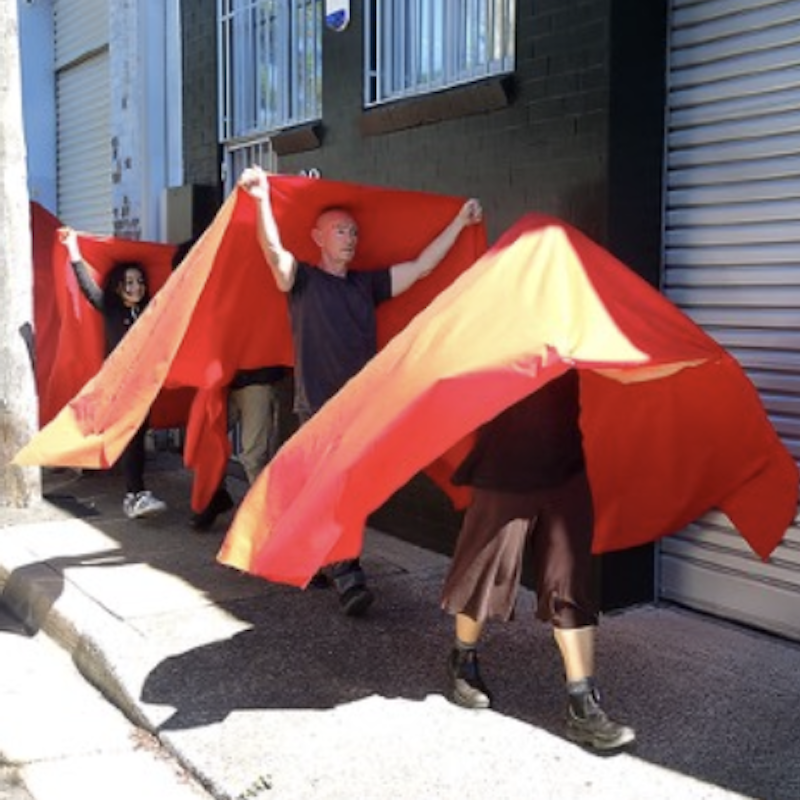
[[546, 151], [572, 142]]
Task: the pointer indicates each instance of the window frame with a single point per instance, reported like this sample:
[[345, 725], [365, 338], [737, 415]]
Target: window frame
[[394, 69], [249, 71]]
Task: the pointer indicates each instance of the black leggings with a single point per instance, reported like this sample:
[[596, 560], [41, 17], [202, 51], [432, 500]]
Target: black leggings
[[132, 461]]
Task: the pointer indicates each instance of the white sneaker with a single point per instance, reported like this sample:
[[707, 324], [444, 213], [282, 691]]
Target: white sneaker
[[142, 504]]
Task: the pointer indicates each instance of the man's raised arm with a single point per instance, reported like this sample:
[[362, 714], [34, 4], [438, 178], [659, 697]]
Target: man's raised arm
[[282, 263], [406, 274]]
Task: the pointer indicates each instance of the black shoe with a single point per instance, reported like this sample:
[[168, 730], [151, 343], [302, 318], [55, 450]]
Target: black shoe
[[355, 602], [350, 582], [589, 725], [320, 580], [220, 503], [467, 688]]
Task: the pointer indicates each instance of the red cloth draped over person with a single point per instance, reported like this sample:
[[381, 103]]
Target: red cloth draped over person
[[221, 312], [69, 332], [672, 426]]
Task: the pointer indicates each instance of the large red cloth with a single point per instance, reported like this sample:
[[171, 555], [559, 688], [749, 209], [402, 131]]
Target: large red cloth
[[69, 339], [220, 311], [672, 425]]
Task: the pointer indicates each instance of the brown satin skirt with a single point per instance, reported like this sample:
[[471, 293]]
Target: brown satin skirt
[[484, 576]]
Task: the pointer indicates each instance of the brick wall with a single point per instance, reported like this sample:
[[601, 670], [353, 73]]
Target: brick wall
[[546, 151], [580, 139]]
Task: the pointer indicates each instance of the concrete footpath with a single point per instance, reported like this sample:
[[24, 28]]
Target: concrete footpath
[[260, 690], [60, 739]]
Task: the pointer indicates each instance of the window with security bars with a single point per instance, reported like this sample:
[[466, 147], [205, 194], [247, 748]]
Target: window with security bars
[[270, 65], [415, 47], [246, 153]]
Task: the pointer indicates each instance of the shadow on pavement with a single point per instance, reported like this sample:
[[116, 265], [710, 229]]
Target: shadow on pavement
[[708, 699]]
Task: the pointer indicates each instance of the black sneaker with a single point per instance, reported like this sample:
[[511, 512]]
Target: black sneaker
[[467, 688], [350, 582], [320, 580], [355, 602], [220, 503], [589, 725]]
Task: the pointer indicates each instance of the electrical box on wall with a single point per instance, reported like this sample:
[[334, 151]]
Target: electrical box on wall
[[188, 211]]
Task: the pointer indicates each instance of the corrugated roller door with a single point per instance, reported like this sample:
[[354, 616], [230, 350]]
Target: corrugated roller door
[[732, 262], [84, 153]]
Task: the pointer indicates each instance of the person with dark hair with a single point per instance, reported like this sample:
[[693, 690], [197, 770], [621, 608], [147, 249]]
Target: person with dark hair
[[530, 486], [121, 300], [332, 311]]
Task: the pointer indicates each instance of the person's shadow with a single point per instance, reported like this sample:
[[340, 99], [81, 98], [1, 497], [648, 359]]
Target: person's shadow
[[30, 591], [302, 653]]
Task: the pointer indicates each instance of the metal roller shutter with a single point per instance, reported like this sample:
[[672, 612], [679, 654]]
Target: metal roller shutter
[[84, 154], [732, 262]]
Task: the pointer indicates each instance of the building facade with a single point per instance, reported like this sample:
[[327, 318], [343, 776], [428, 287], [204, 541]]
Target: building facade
[[731, 260], [640, 123], [101, 97], [666, 130]]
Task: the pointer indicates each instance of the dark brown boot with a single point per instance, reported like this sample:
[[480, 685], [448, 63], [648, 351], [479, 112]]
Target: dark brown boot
[[467, 688]]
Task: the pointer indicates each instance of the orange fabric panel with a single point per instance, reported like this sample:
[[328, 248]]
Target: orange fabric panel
[[684, 433], [69, 332], [46, 312], [93, 428], [220, 311]]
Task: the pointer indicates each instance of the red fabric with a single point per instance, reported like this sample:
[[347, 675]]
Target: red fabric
[[221, 311], [672, 425], [46, 314], [69, 332]]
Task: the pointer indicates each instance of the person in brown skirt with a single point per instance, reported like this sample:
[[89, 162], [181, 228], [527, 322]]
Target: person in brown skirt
[[529, 476]]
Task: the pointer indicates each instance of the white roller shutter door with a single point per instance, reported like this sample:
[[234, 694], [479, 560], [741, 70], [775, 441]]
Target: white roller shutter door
[[84, 152], [732, 262]]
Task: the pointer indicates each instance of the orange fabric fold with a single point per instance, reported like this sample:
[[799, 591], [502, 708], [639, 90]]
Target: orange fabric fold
[[69, 332], [672, 425], [220, 311]]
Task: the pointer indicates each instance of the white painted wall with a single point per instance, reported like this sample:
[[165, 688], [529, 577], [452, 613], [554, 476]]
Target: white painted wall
[[145, 119], [146, 112], [38, 98]]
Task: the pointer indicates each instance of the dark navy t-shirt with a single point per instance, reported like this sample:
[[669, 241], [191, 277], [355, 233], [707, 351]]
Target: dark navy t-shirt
[[333, 329]]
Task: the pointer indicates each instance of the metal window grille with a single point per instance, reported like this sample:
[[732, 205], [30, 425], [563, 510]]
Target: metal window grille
[[270, 65], [415, 47], [246, 153]]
